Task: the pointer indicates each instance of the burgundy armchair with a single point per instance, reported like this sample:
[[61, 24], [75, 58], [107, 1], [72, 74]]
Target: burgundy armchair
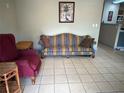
[[28, 61]]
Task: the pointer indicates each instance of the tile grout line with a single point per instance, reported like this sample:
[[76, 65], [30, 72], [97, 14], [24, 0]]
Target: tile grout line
[[66, 76], [79, 77], [115, 81], [43, 63], [104, 78], [54, 74], [111, 81], [91, 76]]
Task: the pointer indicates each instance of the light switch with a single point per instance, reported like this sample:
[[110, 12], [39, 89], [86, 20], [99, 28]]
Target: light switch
[[93, 25], [96, 25], [7, 5]]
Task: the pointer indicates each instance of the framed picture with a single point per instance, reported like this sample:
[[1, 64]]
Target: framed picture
[[110, 15], [66, 12]]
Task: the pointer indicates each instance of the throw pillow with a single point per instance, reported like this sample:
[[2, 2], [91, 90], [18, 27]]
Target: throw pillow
[[87, 42], [45, 41]]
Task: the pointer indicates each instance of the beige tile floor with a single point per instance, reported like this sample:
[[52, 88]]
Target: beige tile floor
[[103, 74]]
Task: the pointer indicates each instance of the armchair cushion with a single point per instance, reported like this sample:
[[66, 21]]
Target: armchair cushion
[[8, 49]]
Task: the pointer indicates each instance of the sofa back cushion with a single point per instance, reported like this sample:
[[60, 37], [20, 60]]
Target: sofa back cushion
[[8, 49], [65, 39]]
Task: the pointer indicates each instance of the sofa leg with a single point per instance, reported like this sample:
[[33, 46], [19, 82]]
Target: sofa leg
[[67, 56], [93, 55], [33, 80], [42, 55]]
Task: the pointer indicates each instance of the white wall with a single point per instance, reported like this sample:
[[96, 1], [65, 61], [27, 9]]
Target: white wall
[[36, 17], [109, 6], [7, 16]]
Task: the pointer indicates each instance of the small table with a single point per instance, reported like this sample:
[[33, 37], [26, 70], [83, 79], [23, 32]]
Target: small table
[[9, 70], [24, 45]]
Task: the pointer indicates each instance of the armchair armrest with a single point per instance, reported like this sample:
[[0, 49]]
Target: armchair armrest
[[24, 68], [27, 52], [22, 63]]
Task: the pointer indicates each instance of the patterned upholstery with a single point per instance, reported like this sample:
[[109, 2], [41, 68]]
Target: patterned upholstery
[[65, 39], [66, 44]]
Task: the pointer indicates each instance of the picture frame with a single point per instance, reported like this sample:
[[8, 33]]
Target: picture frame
[[66, 12], [110, 15]]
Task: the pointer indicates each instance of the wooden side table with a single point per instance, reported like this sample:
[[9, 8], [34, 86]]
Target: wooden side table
[[23, 45], [9, 70]]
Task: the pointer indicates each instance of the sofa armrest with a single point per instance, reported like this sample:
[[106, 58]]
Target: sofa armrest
[[93, 47], [42, 46]]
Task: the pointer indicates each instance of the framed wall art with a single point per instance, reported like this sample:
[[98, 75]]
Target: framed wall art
[[110, 15], [66, 12]]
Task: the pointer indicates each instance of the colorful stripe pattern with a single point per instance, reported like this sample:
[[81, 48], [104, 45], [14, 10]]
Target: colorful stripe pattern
[[66, 44]]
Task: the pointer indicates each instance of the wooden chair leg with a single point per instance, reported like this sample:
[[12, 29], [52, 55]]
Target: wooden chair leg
[[17, 80], [33, 80], [7, 87]]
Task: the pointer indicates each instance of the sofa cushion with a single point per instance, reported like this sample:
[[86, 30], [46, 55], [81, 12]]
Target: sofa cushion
[[8, 49], [55, 48], [61, 50], [79, 49], [71, 50]]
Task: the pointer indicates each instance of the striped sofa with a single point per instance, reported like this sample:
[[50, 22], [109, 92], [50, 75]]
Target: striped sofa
[[66, 44]]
